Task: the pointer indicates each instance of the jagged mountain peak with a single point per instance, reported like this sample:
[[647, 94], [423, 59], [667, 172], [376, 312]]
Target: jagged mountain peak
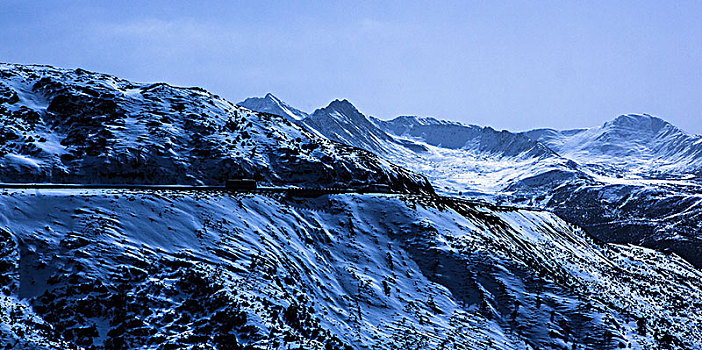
[[341, 102], [273, 105], [269, 97], [342, 108], [341, 121]]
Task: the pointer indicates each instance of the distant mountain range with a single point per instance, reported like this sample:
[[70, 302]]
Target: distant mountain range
[[629, 145], [636, 179], [273, 105]]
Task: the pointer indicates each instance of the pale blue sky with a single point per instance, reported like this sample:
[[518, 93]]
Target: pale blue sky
[[509, 64]]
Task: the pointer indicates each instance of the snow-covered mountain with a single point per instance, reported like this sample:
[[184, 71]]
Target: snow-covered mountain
[[455, 135], [478, 160], [648, 186], [629, 145], [633, 180], [63, 125], [339, 121], [168, 269], [273, 105], [457, 158]]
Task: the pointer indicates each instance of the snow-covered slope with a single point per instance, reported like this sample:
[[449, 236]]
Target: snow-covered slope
[[115, 269], [629, 145], [62, 125]]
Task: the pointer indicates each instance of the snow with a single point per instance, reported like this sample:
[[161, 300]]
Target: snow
[[652, 166], [24, 160], [340, 250], [631, 145], [151, 269]]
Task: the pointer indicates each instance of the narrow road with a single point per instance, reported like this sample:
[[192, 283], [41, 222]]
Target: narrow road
[[302, 192]]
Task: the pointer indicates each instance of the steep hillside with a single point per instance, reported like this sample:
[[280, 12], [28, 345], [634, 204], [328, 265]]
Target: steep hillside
[[163, 270], [63, 125], [663, 215]]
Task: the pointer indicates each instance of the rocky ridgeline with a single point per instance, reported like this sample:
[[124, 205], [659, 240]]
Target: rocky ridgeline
[[76, 126]]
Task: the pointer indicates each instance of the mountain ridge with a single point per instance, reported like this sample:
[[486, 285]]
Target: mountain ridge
[[659, 148], [83, 127], [634, 179], [423, 143], [273, 105]]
